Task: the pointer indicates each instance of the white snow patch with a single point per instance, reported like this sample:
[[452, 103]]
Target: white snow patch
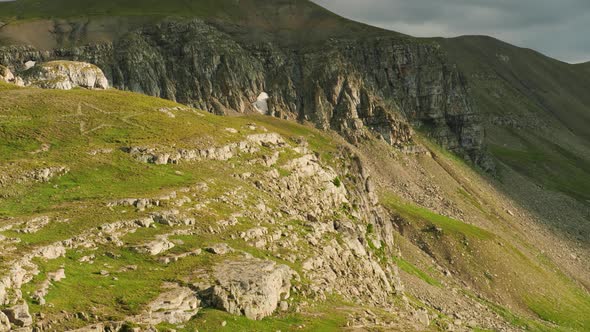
[[30, 64], [261, 104]]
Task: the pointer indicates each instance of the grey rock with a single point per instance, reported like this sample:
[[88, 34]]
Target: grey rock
[[284, 306], [175, 305], [34, 225], [101, 327], [52, 251], [46, 174], [422, 317], [57, 275], [219, 249], [250, 287], [6, 75], [19, 315], [155, 247], [65, 75]]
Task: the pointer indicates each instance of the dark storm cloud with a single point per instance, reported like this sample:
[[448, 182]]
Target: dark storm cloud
[[558, 28]]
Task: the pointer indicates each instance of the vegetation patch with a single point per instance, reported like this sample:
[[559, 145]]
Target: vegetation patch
[[416, 213], [550, 165], [413, 270]]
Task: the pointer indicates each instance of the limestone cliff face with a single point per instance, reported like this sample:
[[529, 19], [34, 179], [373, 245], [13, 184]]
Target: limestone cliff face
[[378, 85]]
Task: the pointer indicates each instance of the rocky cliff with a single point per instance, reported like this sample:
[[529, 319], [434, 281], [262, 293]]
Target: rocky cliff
[[368, 85]]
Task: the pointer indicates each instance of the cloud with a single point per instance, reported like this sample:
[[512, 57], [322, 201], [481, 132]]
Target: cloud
[[556, 28]]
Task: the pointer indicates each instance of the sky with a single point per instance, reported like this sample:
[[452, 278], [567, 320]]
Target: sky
[[557, 28]]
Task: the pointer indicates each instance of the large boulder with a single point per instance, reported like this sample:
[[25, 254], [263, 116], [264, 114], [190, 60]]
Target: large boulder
[[65, 75], [19, 315], [155, 247], [175, 306], [250, 287]]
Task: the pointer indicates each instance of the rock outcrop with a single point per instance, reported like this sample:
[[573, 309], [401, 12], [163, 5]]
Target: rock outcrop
[[19, 315], [156, 247], [251, 287], [40, 294], [175, 305], [65, 75]]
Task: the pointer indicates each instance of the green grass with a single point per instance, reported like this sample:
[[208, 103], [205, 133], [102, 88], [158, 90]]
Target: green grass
[[549, 165], [417, 213], [413, 270], [542, 291], [85, 288], [327, 319], [322, 143], [525, 323], [570, 310], [112, 119], [111, 179]]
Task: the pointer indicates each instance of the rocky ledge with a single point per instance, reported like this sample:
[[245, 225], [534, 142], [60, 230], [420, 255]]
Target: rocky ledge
[[61, 75], [65, 75]]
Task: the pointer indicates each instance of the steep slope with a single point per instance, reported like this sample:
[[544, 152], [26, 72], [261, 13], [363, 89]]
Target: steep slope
[[213, 195], [535, 110], [121, 210]]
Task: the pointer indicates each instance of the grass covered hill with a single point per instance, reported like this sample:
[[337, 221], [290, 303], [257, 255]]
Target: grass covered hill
[[95, 187]]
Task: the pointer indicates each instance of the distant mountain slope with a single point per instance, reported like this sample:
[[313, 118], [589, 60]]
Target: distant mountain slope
[[584, 66], [552, 90], [536, 112], [287, 21]]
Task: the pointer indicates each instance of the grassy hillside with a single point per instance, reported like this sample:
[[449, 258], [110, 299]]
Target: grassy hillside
[[85, 131], [469, 248], [584, 66]]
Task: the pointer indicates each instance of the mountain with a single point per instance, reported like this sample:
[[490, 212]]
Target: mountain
[[584, 66], [535, 112], [400, 183]]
